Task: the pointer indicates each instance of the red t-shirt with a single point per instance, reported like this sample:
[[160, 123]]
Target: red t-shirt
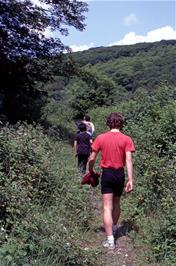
[[113, 147]]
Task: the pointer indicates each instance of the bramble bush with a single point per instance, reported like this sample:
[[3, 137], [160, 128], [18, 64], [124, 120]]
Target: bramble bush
[[154, 197], [44, 213]]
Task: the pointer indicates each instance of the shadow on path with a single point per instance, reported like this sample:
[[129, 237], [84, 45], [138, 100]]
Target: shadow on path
[[124, 228]]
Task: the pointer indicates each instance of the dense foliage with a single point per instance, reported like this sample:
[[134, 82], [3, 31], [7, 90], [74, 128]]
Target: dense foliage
[[44, 213], [26, 53], [90, 92], [151, 121], [110, 75]]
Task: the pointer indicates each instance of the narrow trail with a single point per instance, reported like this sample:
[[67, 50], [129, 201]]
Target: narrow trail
[[124, 254]]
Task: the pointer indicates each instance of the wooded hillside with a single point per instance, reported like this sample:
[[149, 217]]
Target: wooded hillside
[[109, 75]]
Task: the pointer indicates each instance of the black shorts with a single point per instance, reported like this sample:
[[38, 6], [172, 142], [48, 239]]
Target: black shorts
[[112, 181]]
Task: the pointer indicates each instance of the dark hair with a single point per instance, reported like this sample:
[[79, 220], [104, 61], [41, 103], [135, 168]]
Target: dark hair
[[115, 120], [82, 127], [87, 117]]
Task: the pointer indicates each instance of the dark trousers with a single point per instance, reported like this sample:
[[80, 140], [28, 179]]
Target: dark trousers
[[82, 162]]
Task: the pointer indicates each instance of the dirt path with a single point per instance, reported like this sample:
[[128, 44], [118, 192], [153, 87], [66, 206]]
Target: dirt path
[[124, 254]]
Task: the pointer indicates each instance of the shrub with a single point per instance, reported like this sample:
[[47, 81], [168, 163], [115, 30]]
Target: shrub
[[44, 213]]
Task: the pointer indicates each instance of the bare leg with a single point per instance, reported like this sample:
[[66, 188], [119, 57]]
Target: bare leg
[[107, 214], [116, 209]]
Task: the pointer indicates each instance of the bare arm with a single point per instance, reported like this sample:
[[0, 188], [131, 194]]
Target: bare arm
[[75, 147], [93, 127], [92, 159], [129, 164]]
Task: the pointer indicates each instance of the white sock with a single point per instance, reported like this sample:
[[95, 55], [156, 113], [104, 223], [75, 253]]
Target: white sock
[[110, 239]]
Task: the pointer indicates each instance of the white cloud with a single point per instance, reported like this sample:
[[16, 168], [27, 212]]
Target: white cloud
[[48, 33], [131, 19], [164, 33], [35, 2], [76, 48], [38, 3]]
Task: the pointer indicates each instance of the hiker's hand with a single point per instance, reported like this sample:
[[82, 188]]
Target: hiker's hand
[[129, 186]]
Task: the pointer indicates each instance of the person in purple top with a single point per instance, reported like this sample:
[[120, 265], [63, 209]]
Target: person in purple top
[[82, 147]]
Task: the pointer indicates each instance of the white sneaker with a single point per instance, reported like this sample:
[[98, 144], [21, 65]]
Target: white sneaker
[[109, 245]]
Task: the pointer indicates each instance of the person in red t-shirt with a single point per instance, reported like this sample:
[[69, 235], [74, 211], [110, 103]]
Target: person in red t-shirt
[[116, 151]]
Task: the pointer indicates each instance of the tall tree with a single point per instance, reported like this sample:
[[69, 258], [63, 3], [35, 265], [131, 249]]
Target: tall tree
[[26, 52]]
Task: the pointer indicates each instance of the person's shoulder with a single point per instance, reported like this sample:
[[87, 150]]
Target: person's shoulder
[[103, 135], [86, 134], [77, 135], [125, 136]]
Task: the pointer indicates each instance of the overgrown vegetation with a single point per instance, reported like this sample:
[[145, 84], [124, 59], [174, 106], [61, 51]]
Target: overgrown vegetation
[[110, 75], [44, 211], [28, 57], [151, 121]]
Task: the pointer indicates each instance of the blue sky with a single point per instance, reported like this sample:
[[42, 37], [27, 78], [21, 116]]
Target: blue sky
[[108, 22], [124, 22]]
